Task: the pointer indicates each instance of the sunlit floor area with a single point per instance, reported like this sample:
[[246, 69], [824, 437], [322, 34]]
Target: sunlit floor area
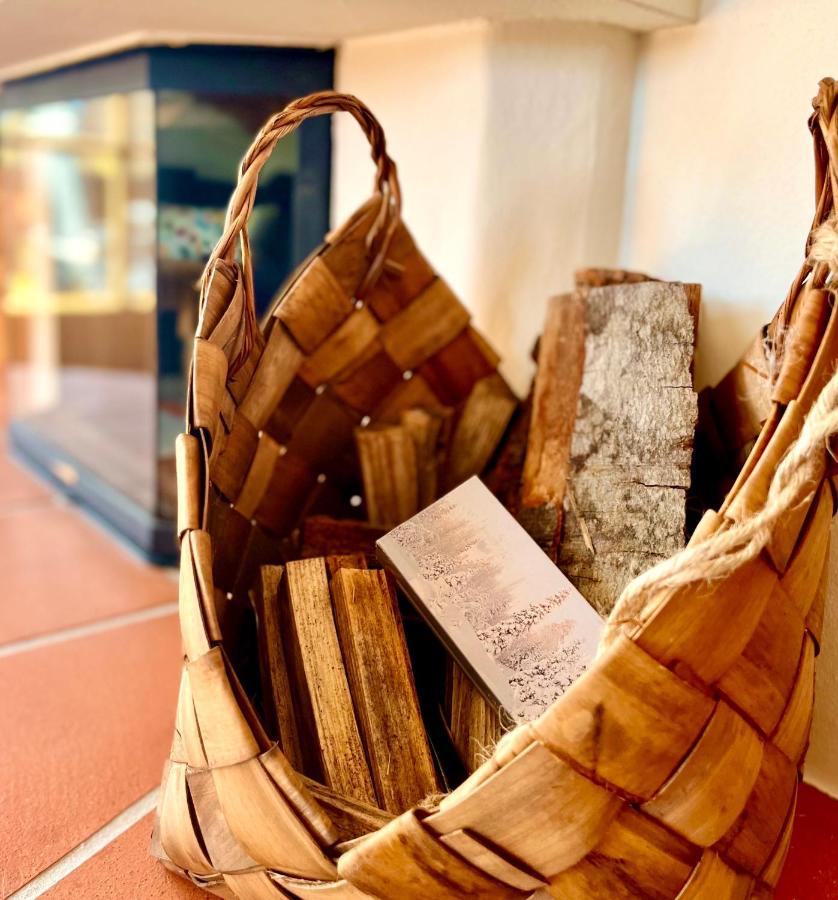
[[89, 666]]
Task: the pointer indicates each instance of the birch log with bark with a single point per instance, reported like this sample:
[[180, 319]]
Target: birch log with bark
[[631, 449]]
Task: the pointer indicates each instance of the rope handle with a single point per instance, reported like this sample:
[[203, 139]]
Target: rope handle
[[243, 198]]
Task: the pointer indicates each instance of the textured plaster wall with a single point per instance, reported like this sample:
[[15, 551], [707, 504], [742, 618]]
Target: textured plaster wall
[[511, 143]]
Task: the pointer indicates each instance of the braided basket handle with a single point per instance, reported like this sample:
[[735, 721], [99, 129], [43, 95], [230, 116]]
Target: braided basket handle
[[278, 126]]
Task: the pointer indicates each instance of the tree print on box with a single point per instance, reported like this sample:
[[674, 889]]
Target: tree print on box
[[513, 621]]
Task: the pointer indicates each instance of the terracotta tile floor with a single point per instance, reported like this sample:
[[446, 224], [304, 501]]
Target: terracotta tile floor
[[86, 715]]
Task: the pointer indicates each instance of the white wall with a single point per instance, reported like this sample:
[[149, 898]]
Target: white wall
[[721, 186], [721, 191], [510, 142]]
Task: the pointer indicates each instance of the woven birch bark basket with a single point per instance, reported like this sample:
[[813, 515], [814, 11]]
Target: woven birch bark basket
[[669, 770]]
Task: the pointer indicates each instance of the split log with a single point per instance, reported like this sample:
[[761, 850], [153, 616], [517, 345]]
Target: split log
[[387, 456], [561, 354], [276, 686], [474, 723], [631, 450], [351, 817], [482, 423], [381, 683], [324, 702], [425, 430]]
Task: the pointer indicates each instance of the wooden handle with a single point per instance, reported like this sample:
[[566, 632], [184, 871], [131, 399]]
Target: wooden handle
[[277, 127]]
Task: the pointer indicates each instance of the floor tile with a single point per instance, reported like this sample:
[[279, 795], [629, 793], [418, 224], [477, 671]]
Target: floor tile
[[811, 870], [59, 570], [86, 725], [125, 871], [18, 487]]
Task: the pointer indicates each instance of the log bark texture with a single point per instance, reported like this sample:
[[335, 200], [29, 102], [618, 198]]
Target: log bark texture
[[631, 451]]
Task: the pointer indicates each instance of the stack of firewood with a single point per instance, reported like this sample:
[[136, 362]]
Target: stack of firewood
[[596, 464]]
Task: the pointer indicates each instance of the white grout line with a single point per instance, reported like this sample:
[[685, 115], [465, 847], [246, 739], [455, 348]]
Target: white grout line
[[79, 631], [88, 848]]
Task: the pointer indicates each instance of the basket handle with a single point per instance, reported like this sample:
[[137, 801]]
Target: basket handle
[[278, 126]]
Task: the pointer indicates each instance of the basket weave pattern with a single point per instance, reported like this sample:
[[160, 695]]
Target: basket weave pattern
[[670, 769]]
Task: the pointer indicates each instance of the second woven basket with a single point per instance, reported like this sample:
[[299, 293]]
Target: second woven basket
[[669, 770]]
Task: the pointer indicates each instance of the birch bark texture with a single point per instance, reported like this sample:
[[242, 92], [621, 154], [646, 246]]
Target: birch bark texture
[[631, 448]]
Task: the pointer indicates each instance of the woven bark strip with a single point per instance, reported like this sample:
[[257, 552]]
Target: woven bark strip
[[669, 770]]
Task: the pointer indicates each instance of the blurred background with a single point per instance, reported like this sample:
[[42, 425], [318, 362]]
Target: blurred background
[[533, 137]]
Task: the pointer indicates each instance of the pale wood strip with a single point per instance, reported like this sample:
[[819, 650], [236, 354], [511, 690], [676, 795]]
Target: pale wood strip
[[328, 703], [387, 456], [275, 371], [708, 791], [228, 333], [381, 681], [187, 733], [774, 867], [684, 627], [637, 857], [714, 878], [230, 466], [209, 381], [314, 305], [253, 886], [814, 619], [480, 428], [561, 357], [753, 492], [276, 684], [340, 349], [404, 860], [193, 626], [761, 680], [265, 823], [331, 890], [176, 830], [351, 817], [225, 851], [225, 731], [200, 544], [424, 429], [473, 722], [629, 720], [220, 286], [430, 322], [478, 852], [259, 475], [213, 884], [752, 838], [792, 733], [801, 343], [298, 795], [549, 835], [188, 466], [803, 573]]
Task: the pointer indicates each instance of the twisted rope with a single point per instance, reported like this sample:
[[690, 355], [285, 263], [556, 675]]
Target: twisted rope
[[800, 470]]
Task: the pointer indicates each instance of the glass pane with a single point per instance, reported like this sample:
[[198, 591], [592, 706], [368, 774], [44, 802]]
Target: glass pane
[[78, 238], [200, 142]]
